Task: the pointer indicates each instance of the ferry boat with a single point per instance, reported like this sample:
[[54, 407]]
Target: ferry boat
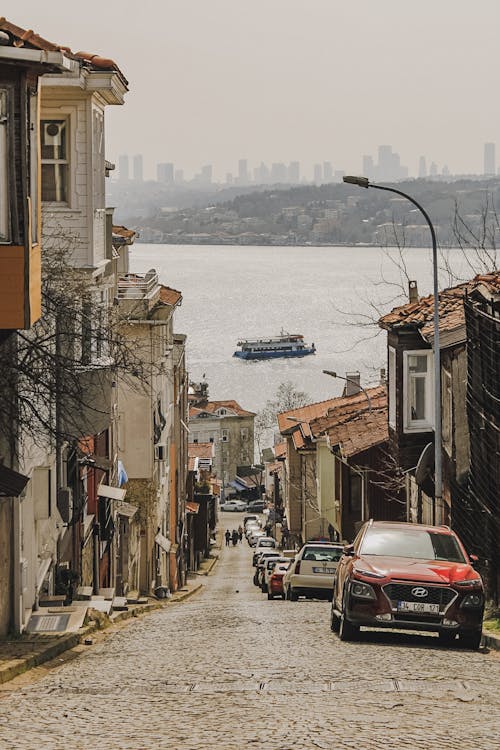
[[285, 345]]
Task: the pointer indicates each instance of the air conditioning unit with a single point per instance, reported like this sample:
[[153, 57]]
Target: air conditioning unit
[[161, 452], [65, 503]]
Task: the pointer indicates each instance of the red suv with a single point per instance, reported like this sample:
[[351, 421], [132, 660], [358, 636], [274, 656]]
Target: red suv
[[408, 576]]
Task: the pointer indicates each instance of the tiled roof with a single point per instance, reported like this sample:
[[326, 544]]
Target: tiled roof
[[302, 414], [346, 420], [170, 296], [127, 235], [451, 309], [27, 38], [280, 450], [212, 406], [201, 450]]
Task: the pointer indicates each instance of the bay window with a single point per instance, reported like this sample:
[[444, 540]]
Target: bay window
[[392, 386], [417, 391]]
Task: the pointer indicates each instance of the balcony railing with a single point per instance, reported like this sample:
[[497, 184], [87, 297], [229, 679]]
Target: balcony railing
[[133, 286]]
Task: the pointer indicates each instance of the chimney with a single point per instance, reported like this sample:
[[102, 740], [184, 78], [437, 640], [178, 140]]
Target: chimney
[[412, 291], [353, 383]]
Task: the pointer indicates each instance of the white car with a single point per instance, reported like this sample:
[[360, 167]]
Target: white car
[[237, 506], [254, 536], [312, 572], [263, 542]]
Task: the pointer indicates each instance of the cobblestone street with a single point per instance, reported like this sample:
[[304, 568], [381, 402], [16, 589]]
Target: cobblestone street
[[229, 669]]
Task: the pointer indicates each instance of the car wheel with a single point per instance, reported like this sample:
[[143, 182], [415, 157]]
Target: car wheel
[[294, 597], [269, 595], [347, 630], [471, 640], [255, 580], [264, 588], [334, 621], [446, 639]]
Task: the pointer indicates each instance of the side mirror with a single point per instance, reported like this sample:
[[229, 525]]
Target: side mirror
[[474, 559], [349, 550]]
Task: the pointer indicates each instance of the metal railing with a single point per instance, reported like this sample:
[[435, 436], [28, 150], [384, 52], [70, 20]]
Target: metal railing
[[133, 286]]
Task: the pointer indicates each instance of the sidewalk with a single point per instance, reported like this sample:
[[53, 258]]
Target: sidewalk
[[18, 655]]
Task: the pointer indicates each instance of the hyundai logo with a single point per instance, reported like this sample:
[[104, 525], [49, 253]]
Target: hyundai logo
[[419, 591]]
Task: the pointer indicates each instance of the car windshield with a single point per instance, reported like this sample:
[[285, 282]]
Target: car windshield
[[327, 554], [420, 544], [266, 543]]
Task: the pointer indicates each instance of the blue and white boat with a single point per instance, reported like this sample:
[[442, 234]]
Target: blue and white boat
[[285, 345]]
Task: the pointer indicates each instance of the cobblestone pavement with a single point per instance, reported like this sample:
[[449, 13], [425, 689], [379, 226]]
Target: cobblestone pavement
[[230, 669]]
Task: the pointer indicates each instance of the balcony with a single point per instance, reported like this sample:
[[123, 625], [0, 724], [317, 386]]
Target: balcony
[[137, 294]]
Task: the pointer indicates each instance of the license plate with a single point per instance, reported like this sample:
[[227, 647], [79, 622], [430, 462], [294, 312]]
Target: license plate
[[326, 571], [419, 607]]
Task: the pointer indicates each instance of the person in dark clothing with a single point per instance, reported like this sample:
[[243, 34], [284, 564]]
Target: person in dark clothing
[[240, 534], [228, 537], [235, 537]]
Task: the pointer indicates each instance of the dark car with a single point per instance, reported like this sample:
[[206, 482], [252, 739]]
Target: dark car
[[408, 576], [256, 506]]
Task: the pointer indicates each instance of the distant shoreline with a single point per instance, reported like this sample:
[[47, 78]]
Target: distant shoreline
[[295, 244]]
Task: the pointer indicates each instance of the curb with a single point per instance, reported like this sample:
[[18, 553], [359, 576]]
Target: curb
[[491, 641], [72, 640]]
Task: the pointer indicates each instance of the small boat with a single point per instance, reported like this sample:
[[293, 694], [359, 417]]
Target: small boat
[[285, 345]]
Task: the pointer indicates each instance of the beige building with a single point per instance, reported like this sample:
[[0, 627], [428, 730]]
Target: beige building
[[230, 428]]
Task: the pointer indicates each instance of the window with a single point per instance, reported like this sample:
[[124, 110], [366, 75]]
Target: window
[[417, 391], [4, 168], [392, 386], [244, 433], [225, 436], [446, 411], [356, 493], [55, 164]]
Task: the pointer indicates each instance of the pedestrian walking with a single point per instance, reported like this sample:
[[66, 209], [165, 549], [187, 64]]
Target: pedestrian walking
[[235, 537], [240, 534], [228, 537]]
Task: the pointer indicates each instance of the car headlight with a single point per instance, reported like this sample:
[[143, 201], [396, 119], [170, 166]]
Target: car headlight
[[369, 573], [472, 601], [362, 590], [468, 582]]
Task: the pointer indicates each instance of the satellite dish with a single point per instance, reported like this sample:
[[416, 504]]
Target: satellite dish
[[425, 465]]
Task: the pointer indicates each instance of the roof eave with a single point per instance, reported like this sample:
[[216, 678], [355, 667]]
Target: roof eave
[[55, 60]]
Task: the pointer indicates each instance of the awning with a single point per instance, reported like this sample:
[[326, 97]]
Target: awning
[[122, 474], [11, 482], [114, 493], [192, 507], [238, 485], [126, 509], [163, 542]]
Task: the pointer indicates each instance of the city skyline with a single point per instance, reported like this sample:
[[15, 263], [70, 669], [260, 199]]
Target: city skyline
[[386, 166], [283, 81]]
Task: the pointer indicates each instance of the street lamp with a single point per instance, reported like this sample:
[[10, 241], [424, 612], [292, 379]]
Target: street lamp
[[364, 182], [355, 382]]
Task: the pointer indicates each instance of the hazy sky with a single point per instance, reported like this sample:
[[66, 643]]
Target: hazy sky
[[212, 81]]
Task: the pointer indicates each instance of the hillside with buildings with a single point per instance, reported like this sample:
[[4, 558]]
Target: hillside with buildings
[[330, 214]]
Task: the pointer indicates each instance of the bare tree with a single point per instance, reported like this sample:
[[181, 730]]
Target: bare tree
[[287, 397]]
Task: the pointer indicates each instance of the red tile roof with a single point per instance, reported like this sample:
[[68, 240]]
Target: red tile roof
[[280, 450], [201, 450], [124, 233], [347, 421], [212, 406], [27, 38], [170, 296], [451, 309], [302, 414]]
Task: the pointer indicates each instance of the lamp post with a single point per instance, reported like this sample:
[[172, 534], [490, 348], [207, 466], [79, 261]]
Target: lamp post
[[355, 382], [438, 473]]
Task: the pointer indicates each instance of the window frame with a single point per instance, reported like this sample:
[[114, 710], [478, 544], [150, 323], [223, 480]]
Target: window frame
[[7, 179], [392, 390], [418, 425], [66, 118]]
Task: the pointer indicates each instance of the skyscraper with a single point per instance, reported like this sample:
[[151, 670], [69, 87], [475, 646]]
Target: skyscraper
[[294, 172], [278, 172], [327, 171], [422, 167], [489, 159], [318, 174], [368, 170], [165, 173], [206, 174], [123, 167], [243, 172], [137, 168]]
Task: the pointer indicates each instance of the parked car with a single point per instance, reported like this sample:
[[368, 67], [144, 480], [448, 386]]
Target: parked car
[[234, 505], [264, 557], [254, 536], [312, 571], [256, 506], [261, 543], [268, 568], [275, 585], [408, 576], [251, 517]]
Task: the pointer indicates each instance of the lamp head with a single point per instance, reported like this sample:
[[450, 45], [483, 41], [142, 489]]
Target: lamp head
[[359, 181], [330, 372]]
